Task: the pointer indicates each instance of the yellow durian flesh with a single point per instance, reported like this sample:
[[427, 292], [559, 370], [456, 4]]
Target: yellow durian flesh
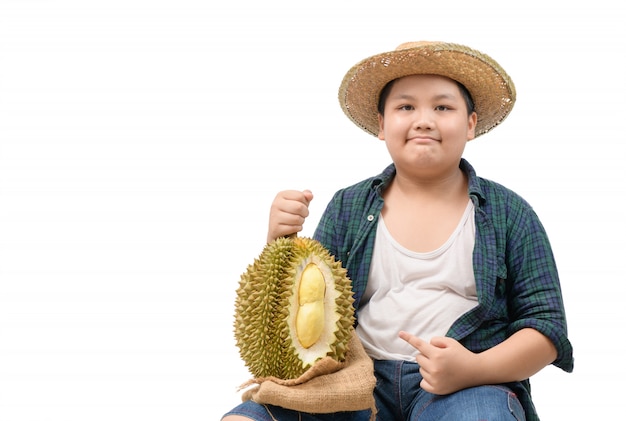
[[312, 285], [310, 323], [293, 307], [310, 316]]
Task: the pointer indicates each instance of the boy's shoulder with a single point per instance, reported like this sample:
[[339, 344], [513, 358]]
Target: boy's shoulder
[[487, 188], [494, 197], [492, 190], [501, 203]]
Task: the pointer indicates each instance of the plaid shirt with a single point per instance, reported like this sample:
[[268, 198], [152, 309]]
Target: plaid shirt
[[516, 277]]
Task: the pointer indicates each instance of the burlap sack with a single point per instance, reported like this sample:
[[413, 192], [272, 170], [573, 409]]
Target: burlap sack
[[328, 386]]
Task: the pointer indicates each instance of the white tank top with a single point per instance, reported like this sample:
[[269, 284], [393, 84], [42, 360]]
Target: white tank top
[[421, 293]]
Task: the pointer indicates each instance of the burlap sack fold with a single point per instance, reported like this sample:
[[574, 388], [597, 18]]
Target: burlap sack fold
[[328, 386]]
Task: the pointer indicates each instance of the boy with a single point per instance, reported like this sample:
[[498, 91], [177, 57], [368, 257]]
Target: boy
[[457, 296]]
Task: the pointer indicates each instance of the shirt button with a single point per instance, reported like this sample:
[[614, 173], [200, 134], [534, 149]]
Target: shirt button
[[370, 218]]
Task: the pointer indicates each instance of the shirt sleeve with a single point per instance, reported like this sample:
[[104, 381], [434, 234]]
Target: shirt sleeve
[[535, 295]]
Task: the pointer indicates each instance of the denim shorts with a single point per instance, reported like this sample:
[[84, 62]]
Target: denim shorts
[[260, 412], [400, 398]]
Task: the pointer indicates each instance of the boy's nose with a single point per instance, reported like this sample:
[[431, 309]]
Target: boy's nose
[[423, 121]]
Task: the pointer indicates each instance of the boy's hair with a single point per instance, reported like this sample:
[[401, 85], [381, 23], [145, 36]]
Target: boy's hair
[[384, 93]]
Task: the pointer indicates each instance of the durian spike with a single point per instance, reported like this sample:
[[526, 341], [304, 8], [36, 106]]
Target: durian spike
[[267, 308]]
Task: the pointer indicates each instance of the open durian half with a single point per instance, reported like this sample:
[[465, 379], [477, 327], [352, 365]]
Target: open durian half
[[294, 306]]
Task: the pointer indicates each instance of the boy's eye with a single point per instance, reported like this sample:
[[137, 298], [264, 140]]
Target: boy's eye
[[441, 108], [406, 107]]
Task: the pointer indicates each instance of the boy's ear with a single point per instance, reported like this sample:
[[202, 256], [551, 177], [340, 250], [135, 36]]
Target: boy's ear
[[381, 127], [471, 126]]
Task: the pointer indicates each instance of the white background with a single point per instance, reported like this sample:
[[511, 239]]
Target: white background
[[142, 142]]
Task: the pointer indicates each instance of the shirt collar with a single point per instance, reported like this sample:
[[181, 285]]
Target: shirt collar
[[474, 188], [379, 182]]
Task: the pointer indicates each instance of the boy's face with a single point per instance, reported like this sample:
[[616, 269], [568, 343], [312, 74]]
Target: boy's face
[[426, 124]]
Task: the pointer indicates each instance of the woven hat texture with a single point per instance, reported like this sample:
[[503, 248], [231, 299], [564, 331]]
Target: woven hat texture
[[491, 88]]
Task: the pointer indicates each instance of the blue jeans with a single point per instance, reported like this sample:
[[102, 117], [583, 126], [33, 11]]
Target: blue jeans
[[260, 412], [399, 397]]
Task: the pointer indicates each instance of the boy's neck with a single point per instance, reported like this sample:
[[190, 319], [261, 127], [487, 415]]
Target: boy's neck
[[447, 186]]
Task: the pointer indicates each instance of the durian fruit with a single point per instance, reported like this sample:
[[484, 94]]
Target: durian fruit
[[294, 306]]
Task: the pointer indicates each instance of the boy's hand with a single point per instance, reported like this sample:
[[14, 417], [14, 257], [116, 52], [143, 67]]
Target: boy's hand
[[445, 365], [288, 212]]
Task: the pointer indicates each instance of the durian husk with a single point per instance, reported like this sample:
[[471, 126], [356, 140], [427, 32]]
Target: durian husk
[[266, 305]]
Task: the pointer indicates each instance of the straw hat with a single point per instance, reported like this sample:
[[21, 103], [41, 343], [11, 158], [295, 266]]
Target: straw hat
[[491, 88]]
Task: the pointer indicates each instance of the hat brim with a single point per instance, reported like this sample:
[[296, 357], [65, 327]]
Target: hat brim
[[491, 88]]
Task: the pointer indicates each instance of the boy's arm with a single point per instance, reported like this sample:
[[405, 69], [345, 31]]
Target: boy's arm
[[522, 355]]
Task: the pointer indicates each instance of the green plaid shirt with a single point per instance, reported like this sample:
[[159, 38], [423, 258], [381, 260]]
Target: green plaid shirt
[[516, 277]]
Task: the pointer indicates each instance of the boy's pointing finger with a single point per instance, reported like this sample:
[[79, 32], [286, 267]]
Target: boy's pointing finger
[[414, 341]]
